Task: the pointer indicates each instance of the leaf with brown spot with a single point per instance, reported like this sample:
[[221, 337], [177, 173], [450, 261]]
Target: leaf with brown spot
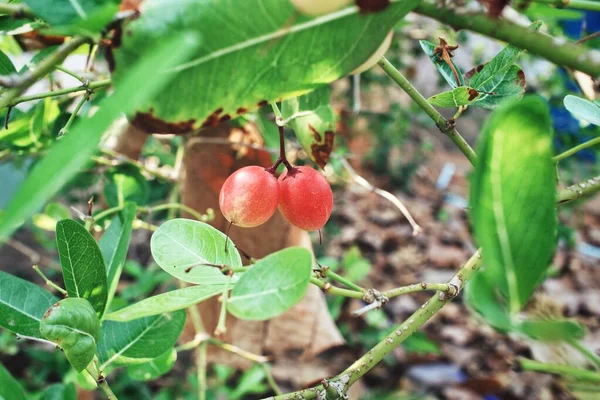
[[314, 122], [258, 61], [150, 124], [506, 85], [370, 6], [460, 96]]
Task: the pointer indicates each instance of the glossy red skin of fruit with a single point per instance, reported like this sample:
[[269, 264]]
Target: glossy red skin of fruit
[[249, 197], [305, 198]]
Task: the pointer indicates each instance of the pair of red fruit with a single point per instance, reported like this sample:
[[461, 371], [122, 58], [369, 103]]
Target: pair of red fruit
[[251, 195]]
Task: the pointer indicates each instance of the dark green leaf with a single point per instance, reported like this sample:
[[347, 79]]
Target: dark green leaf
[[481, 295], [153, 369], [461, 96], [272, 54], [58, 391], [552, 330], [6, 66], [182, 247], [140, 340], [22, 305], [273, 285], [69, 155], [73, 325], [499, 64], [125, 183], [10, 388], [513, 197], [42, 120], [82, 264], [17, 134], [443, 68], [114, 245], [166, 302], [506, 85], [66, 12], [583, 109], [313, 119]]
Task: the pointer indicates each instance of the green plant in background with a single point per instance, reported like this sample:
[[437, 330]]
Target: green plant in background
[[176, 68]]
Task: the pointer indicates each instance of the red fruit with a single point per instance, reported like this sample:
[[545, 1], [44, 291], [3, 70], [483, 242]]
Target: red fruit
[[305, 198], [249, 197]]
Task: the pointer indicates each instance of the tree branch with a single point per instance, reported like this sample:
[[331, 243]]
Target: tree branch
[[19, 83], [566, 54], [442, 123]]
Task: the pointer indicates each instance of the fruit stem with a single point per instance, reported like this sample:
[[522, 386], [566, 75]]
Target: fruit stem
[[282, 158]]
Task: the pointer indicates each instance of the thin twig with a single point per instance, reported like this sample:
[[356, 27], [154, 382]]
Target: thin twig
[[336, 291], [236, 350], [270, 379], [210, 213], [65, 129], [441, 122], [383, 193], [559, 369], [49, 282], [221, 325], [587, 353], [588, 37], [573, 150], [35, 339], [71, 73], [201, 365]]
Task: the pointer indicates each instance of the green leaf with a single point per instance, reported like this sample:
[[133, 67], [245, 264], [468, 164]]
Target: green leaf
[[53, 213], [42, 121], [140, 340], [583, 109], [67, 156], [182, 247], [6, 66], [271, 286], [153, 369], [499, 64], [273, 53], [74, 326], [513, 197], [552, 330], [481, 295], [313, 119], [58, 391], [114, 245], [506, 85], [125, 183], [83, 268], [461, 96], [66, 12], [22, 305], [10, 388], [166, 302], [17, 134], [443, 68]]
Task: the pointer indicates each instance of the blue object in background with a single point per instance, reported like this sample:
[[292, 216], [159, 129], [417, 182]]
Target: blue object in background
[[567, 129]]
